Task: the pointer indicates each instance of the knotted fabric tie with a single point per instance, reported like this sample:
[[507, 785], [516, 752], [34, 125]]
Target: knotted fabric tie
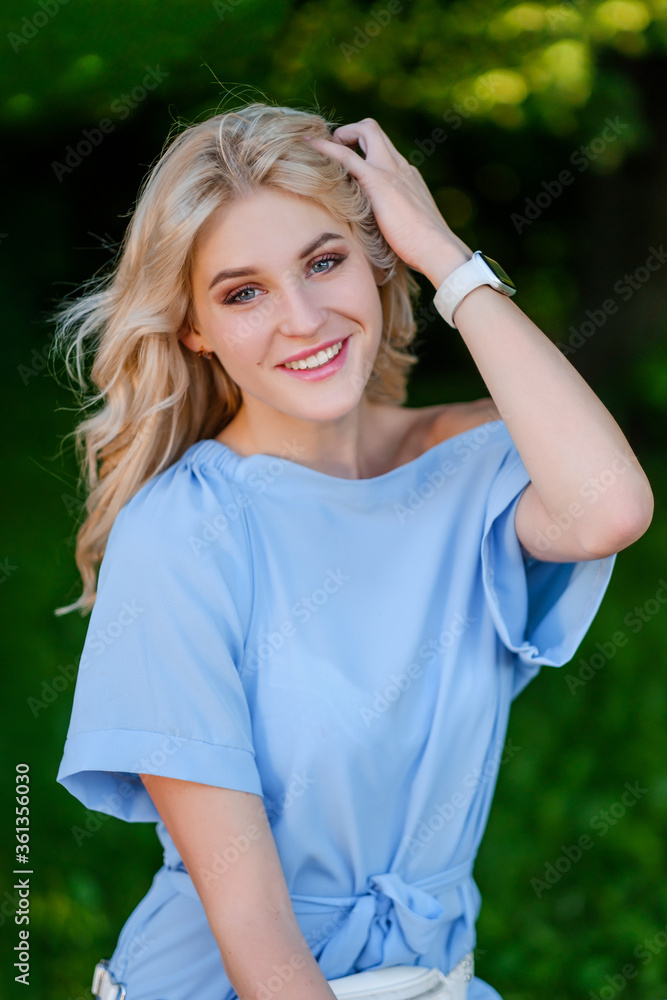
[[392, 917]]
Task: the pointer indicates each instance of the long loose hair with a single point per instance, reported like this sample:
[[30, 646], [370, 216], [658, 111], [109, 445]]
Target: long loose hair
[[155, 397]]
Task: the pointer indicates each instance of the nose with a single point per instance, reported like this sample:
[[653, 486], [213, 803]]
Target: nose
[[299, 313]]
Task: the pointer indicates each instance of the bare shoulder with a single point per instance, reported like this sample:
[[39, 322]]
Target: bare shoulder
[[448, 419]]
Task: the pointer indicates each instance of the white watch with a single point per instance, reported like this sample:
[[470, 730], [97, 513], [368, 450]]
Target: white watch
[[479, 270]]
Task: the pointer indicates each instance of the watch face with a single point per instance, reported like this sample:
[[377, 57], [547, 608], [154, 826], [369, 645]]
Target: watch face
[[498, 271]]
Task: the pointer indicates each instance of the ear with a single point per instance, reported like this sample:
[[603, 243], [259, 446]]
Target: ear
[[190, 337], [379, 274]]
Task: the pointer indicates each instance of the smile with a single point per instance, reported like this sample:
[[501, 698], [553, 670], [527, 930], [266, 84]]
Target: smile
[[316, 360]]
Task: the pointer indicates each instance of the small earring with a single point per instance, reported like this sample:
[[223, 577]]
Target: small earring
[[203, 354]]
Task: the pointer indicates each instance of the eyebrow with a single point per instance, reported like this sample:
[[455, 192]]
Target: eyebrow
[[241, 272]]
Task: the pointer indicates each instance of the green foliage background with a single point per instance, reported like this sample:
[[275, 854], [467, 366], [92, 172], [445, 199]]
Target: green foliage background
[[555, 74]]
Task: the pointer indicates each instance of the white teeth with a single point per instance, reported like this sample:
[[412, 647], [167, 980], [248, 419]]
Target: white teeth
[[316, 360]]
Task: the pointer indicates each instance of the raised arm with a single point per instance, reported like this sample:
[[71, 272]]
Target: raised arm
[[247, 902], [584, 477]]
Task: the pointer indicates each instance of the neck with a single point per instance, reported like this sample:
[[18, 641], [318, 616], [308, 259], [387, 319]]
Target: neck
[[345, 446]]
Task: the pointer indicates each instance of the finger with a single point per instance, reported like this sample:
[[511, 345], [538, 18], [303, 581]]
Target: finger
[[377, 146], [350, 160], [374, 142], [368, 135]]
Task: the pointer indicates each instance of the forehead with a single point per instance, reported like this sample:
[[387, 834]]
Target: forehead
[[265, 220]]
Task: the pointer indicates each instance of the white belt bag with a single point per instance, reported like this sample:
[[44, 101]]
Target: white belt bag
[[406, 982], [395, 982]]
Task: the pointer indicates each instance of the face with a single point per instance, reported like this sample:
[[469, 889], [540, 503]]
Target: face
[[277, 276]]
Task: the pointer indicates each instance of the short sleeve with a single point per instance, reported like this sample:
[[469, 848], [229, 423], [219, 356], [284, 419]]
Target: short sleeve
[[158, 687], [541, 610]]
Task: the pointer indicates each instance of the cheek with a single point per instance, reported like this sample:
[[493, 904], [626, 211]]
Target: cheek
[[242, 338], [372, 307], [364, 296]]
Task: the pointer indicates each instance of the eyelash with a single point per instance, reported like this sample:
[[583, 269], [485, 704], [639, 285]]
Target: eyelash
[[232, 299]]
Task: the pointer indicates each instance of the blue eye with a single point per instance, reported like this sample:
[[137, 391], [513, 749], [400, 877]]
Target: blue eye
[[332, 259], [236, 296]]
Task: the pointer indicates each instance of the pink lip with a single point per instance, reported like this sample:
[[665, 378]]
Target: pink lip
[[313, 350], [324, 371]]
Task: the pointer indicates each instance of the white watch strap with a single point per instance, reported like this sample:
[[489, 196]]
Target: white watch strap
[[460, 283]]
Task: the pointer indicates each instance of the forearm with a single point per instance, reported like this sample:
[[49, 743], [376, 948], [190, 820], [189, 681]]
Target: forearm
[[569, 442], [247, 903], [264, 952]]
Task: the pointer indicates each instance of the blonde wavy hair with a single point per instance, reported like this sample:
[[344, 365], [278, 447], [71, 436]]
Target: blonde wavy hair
[[157, 396]]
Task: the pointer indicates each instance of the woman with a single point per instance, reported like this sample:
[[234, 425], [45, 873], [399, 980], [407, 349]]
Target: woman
[[316, 605]]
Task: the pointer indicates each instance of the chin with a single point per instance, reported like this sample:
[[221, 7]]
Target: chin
[[336, 406]]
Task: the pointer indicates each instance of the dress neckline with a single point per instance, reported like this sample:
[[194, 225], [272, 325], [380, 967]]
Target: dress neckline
[[212, 451]]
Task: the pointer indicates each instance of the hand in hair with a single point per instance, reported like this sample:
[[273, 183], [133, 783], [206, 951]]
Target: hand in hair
[[404, 209]]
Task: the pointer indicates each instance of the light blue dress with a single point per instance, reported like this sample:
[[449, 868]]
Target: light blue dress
[[349, 650]]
